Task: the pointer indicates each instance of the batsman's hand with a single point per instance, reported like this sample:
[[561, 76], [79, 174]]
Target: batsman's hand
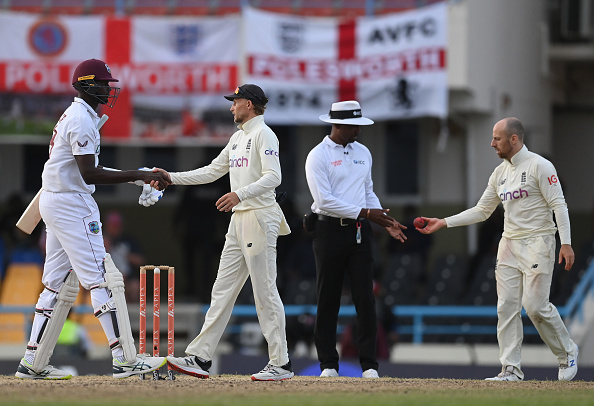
[[149, 196], [157, 178]]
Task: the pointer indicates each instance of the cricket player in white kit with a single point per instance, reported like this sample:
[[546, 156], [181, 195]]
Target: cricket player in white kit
[[74, 248], [252, 160], [528, 187]]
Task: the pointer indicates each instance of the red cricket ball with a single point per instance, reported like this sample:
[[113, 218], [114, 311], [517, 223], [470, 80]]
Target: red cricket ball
[[420, 223]]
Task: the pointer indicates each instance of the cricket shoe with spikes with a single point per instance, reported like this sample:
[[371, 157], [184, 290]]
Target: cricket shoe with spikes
[[190, 365], [141, 365], [25, 371], [274, 373]]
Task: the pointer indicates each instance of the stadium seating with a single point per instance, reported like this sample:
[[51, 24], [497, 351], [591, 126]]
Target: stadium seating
[[320, 8], [300, 293], [567, 281], [482, 289], [87, 319], [20, 288], [445, 280], [401, 279]]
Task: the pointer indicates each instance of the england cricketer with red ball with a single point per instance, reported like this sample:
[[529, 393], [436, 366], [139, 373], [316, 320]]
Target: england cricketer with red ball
[[528, 187]]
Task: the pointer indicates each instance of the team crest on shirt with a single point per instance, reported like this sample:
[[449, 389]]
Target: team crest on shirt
[[94, 227]]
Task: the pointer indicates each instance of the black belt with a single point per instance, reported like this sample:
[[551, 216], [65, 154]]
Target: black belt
[[339, 221]]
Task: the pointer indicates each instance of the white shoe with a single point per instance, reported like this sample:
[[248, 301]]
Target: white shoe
[[25, 371], [190, 365], [272, 373], [370, 373], [568, 371], [506, 375], [141, 365], [329, 373]]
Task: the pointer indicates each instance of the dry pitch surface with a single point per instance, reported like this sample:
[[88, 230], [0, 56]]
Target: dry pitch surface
[[90, 390]]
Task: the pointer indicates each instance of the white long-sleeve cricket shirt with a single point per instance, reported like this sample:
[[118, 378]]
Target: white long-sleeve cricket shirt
[[252, 159], [530, 191], [339, 179]]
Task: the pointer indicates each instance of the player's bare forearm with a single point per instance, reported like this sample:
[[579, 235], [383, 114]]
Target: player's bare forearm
[[378, 216], [93, 175]]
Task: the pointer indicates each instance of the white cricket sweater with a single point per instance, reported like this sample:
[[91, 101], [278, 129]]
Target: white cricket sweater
[[530, 191], [252, 159]]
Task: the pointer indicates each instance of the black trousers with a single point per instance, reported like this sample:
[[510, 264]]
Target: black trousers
[[337, 253]]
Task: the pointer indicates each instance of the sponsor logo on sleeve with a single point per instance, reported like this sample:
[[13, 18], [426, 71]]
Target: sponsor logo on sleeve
[[270, 151], [553, 180]]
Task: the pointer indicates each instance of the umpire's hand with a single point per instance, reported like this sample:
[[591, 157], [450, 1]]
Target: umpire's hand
[[379, 217], [396, 231]]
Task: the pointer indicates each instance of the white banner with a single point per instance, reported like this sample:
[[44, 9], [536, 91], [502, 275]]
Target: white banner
[[196, 58], [394, 65], [166, 56]]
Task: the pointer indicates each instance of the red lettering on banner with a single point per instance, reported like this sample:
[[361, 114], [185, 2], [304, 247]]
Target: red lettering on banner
[[324, 70], [147, 78], [36, 77]]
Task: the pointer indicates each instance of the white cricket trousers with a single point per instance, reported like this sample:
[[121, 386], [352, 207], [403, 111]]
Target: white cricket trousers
[[524, 273], [74, 238], [250, 250]]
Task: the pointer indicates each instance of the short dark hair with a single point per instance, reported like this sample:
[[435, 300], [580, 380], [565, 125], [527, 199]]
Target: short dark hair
[[514, 126], [258, 108]]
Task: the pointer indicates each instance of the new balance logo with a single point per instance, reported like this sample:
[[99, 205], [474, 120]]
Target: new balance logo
[[572, 363]]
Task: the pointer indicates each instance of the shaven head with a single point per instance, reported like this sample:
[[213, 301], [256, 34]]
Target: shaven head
[[508, 137], [514, 126]]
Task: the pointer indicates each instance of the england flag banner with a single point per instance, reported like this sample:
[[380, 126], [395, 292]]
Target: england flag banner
[[164, 66], [394, 65]]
